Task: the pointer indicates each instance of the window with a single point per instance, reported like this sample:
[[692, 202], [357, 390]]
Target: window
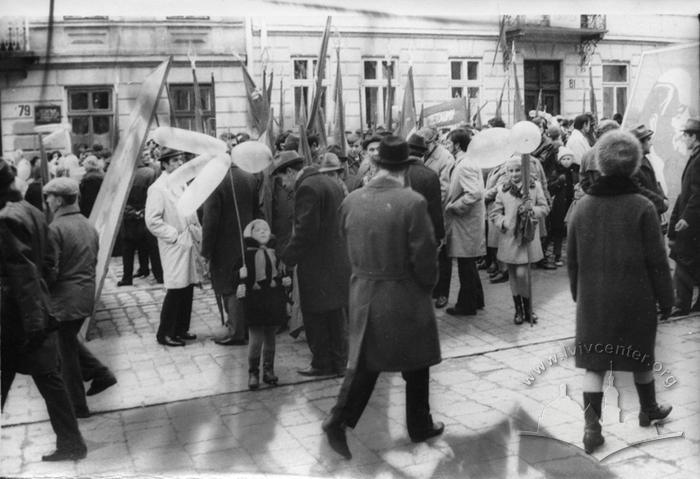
[[465, 80], [304, 82], [615, 80], [91, 114], [374, 87], [182, 98]]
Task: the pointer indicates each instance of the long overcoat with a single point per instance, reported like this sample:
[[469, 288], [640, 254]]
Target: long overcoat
[[393, 254], [221, 243], [618, 272], [504, 218], [25, 261], [316, 247], [465, 212], [179, 237], [686, 247]]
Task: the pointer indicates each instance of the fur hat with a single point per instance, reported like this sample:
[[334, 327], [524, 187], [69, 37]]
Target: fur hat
[[248, 230], [618, 153], [393, 152], [563, 152]]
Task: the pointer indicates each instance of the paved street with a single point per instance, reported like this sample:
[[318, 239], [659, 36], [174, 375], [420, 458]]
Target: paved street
[[509, 395]]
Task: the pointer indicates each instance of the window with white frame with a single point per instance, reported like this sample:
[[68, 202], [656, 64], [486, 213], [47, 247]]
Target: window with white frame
[[465, 81], [615, 87], [375, 73], [91, 115], [304, 82]]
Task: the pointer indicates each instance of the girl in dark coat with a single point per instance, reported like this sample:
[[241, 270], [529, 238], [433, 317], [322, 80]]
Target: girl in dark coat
[[261, 290], [619, 273]]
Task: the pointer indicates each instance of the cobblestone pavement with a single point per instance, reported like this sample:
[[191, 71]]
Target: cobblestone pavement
[[510, 397]]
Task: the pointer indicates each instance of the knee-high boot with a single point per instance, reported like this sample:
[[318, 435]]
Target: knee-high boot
[[650, 410]]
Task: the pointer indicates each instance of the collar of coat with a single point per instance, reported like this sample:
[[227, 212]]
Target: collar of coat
[[384, 182], [613, 186], [66, 210]]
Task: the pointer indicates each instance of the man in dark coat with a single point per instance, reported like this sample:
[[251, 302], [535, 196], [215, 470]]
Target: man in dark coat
[[318, 251], [90, 185], [28, 342], [392, 321], [684, 226], [135, 235], [645, 176], [72, 286], [221, 244], [426, 182]]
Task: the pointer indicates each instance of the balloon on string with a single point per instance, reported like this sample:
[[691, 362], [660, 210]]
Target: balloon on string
[[188, 171], [206, 181], [190, 141], [525, 137], [251, 156], [490, 147]]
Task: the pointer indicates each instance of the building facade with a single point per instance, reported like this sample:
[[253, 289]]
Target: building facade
[[91, 76]]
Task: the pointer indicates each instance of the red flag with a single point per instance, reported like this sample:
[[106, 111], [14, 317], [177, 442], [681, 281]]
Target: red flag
[[519, 110], [594, 105], [339, 117], [258, 109], [389, 100], [476, 120], [320, 73], [407, 121], [320, 129]]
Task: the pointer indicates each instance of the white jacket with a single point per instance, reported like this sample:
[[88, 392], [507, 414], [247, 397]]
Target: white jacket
[[179, 238], [578, 144]]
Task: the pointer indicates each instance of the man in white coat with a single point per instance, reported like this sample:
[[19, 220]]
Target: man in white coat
[[578, 142], [179, 238]]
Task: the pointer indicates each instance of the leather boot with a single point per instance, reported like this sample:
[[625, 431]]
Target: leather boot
[[527, 312], [650, 410], [269, 368], [254, 373], [592, 437], [518, 318]]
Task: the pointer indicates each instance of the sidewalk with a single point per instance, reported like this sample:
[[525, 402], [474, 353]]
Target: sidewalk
[[187, 411]]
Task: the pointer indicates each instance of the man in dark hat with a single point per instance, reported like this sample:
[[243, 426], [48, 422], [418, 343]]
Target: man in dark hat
[[318, 252], [281, 211], [684, 227], [392, 321], [645, 176], [29, 344]]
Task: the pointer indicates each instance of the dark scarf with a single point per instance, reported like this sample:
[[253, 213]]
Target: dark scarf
[[516, 189], [613, 186]]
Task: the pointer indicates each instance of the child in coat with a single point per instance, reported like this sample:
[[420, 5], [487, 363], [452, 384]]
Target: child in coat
[[261, 290], [510, 207]]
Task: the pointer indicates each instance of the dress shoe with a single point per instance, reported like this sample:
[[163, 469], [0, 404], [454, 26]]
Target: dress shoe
[[168, 341], [696, 306], [187, 336], [678, 312], [435, 430], [66, 455], [142, 274], [315, 372], [459, 312], [253, 380], [100, 384], [125, 282], [493, 269], [441, 302], [230, 341], [335, 433], [500, 277], [83, 414]]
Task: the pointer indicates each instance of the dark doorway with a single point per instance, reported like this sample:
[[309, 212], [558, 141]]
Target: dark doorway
[[543, 75]]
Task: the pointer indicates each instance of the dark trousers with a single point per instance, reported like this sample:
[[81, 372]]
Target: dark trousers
[[358, 386], [58, 405], [154, 256], [471, 293], [147, 247], [77, 363], [176, 312], [327, 335], [683, 282], [442, 288], [236, 323]]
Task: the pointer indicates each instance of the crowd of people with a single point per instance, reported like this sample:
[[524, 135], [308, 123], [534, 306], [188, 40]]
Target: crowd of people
[[330, 240]]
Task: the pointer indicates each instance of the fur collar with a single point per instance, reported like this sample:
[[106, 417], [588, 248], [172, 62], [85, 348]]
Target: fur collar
[[613, 186]]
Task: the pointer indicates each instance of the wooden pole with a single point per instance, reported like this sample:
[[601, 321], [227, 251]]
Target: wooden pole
[[525, 168]]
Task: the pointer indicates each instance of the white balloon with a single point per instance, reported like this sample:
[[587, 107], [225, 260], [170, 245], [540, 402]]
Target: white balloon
[[490, 147], [190, 141], [189, 170], [525, 137], [251, 156], [204, 184]]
